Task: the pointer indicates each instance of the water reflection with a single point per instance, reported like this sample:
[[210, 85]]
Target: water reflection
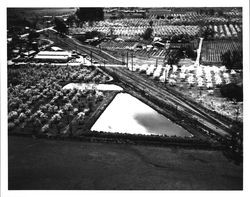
[[127, 114]]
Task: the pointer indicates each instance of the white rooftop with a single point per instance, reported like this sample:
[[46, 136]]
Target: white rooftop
[[54, 48], [54, 53], [58, 57]]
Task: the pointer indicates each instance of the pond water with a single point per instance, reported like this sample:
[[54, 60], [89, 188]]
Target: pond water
[[127, 114]]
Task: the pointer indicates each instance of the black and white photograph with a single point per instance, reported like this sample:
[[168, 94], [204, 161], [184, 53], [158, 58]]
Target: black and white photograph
[[124, 97]]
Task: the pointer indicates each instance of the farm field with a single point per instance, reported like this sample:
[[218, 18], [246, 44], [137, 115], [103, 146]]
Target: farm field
[[43, 164], [174, 18], [120, 49], [37, 102], [143, 53], [211, 50], [222, 31], [38, 18], [131, 31], [13, 13], [227, 30], [125, 98], [193, 17], [201, 83]]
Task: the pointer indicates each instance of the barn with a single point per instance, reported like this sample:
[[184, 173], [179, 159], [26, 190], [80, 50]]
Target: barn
[[53, 56]]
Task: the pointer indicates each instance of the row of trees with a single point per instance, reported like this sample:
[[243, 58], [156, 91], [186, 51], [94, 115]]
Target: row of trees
[[60, 26], [147, 35], [232, 91], [174, 56], [90, 14], [36, 98], [183, 38], [232, 59], [82, 15], [207, 33], [211, 11], [17, 24], [85, 15]]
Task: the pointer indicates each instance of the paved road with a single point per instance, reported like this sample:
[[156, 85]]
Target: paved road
[[197, 62], [38, 31]]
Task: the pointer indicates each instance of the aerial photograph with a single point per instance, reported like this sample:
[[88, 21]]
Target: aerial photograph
[[124, 98]]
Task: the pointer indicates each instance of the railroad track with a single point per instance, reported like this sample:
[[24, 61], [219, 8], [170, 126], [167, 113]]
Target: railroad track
[[97, 54], [137, 81], [166, 97]]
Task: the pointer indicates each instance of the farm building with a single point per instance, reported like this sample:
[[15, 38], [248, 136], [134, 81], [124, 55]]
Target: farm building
[[53, 56], [29, 53], [159, 44], [54, 48], [157, 11]]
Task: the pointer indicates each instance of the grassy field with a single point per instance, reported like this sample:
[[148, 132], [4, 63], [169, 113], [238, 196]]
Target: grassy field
[[39, 12], [20, 16], [67, 165]]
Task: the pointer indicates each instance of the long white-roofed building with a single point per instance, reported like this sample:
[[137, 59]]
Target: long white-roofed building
[[53, 56]]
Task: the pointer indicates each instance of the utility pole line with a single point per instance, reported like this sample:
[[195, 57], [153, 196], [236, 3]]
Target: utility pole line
[[127, 59], [237, 113], [91, 57], [132, 60], [165, 75], [122, 58]]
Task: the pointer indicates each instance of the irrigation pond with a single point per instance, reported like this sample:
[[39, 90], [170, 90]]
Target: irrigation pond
[[127, 114]]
